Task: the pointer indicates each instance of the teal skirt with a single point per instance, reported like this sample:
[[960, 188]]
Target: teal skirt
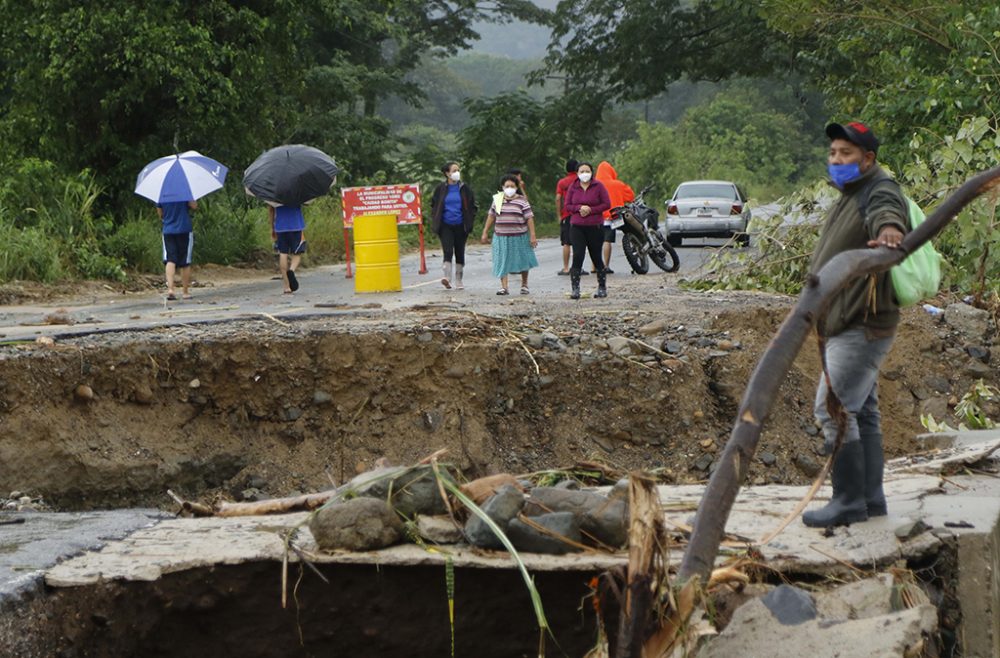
[[512, 253]]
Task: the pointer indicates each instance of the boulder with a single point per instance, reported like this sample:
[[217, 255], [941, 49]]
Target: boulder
[[971, 321], [359, 524], [608, 523], [501, 508], [552, 499], [438, 529], [413, 490], [526, 537]]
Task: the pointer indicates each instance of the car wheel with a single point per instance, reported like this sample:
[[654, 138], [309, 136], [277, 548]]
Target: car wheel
[[674, 240]]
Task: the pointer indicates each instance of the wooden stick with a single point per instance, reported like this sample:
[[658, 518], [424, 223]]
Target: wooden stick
[[762, 389], [277, 505], [191, 507]]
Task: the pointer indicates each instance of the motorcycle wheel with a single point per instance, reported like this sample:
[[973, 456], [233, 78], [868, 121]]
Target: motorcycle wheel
[[662, 252], [634, 255]]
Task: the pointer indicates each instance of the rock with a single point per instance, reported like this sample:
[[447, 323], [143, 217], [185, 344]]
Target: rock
[[14, 495], [24, 500], [425, 337], [608, 523], [978, 352], [359, 524], [672, 346], [937, 407], [47, 341], [83, 393], [438, 529], [549, 339], [768, 458], [551, 499], [911, 529], [252, 494], [545, 381], [414, 490], [806, 465], [726, 345], [432, 420], [620, 346], [703, 462], [568, 483], [527, 538], [536, 341], [605, 444], [484, 488], [194, 383], [704, 341], [938, 384], [501, 508], [653, 328], [143, 394], [321, 398], [920, 392], [967, 319], [978, 369], [790, 605], [292, 414], [256, 482], [620, 490]]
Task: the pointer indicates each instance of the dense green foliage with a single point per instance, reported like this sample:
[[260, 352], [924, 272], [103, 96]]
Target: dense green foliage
[[105, 87]]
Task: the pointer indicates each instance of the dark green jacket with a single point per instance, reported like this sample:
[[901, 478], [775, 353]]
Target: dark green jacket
[[846, 229]]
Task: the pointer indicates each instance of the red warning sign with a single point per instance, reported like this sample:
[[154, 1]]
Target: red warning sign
[[400, 200]]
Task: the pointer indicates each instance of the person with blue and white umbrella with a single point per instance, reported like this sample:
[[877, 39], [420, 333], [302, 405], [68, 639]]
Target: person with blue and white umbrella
[[175, 183]]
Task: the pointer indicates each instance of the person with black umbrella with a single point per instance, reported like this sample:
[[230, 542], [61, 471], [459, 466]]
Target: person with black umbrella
[[287, 177], [288, 230]]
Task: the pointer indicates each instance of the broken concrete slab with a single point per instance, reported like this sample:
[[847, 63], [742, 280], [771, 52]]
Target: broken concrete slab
[[754, 631]]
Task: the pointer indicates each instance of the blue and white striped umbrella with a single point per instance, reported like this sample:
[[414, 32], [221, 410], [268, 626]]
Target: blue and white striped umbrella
[[183, 177]]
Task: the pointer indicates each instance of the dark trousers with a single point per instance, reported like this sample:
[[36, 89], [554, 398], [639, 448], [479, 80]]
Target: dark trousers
[[584, 239], [453, 237]]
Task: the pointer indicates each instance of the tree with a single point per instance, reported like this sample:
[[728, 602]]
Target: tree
[[632, 49], [112, 84]]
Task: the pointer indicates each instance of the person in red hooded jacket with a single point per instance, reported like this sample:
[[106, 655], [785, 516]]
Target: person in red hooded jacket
[[620, 194]]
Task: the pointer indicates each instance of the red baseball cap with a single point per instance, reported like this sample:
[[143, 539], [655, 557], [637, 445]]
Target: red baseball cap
[[856, 133]]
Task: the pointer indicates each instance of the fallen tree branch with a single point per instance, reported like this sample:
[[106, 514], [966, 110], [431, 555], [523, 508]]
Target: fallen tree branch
[[758, 399], [304, 502]]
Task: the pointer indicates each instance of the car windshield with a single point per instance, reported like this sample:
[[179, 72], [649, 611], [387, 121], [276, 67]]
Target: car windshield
[[706, 191]]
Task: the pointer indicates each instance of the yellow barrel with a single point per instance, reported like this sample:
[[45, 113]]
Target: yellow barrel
[[376, 252]]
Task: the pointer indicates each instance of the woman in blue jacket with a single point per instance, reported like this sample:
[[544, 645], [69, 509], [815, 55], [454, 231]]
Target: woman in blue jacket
[[453, 211]]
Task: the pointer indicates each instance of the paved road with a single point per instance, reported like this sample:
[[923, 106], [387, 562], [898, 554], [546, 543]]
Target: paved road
[[323, 290]]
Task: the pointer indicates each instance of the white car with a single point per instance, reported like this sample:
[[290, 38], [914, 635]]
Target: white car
[[708, 209]]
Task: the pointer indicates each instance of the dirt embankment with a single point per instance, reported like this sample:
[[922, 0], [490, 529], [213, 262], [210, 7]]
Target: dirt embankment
[[254, 409]]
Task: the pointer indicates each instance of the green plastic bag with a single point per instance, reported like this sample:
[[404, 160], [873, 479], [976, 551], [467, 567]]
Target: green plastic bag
[[919, 275]]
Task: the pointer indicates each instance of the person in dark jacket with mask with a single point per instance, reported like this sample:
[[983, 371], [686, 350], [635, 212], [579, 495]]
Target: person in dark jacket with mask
[[586, 200], [453, 212], [860, 323]]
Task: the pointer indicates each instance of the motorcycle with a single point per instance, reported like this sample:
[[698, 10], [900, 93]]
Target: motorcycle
[[641, 236]]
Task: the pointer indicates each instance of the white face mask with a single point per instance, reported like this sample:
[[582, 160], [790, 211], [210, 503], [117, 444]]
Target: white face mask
[[456, 176], [585, 177], [510, 191]]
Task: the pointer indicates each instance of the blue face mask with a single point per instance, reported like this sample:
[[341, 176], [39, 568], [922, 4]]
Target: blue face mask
[[844, 173]]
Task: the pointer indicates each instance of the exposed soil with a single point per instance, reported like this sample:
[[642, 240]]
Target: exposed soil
[[364, 611], [253, 408]]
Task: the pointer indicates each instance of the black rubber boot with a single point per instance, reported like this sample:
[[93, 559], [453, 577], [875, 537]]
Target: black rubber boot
[[574, 282], [874, 466], [848, 503], [602, 284]]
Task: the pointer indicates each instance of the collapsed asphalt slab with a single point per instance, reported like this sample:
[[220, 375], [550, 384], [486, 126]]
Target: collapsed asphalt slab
[[942, 498]]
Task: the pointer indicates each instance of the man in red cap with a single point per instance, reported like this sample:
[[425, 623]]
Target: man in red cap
[[860, 323]]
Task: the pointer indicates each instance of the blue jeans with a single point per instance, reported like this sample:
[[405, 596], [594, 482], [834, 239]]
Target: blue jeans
[[853, 362]]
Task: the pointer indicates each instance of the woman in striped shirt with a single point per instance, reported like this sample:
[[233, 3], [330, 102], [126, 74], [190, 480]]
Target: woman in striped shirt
[[514, 239]]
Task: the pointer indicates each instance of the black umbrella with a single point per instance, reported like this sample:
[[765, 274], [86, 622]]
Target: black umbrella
[[290, 175]]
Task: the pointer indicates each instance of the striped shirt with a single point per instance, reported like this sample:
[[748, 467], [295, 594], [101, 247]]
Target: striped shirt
[[513, 217]]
